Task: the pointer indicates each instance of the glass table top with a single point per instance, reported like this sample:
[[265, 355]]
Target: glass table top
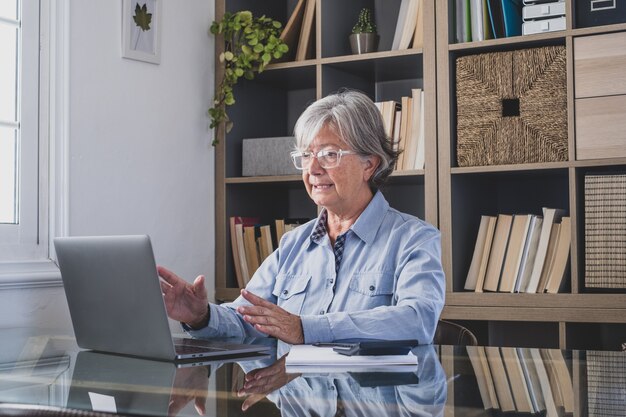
[[50, 370]]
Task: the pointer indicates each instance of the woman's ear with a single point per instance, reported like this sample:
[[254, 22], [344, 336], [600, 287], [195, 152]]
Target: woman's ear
[[371, 165]]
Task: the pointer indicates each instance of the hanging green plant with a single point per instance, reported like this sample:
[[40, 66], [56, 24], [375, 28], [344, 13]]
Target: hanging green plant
[[250, 43]]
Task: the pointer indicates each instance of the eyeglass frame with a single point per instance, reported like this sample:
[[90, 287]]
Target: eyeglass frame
[[319, 154]]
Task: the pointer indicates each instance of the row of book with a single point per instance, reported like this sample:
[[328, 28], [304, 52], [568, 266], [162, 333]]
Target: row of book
[[521, 253], [479, 20], [404, 125], [523, 380], [252, 242]]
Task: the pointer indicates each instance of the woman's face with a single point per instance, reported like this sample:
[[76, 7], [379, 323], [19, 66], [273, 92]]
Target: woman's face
[[342, 189]]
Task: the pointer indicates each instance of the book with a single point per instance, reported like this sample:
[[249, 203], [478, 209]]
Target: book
[[388, 113], [404, 129], [413, 126], [251, 250], [512, 17], [517, 380], [265, 242], [420, 157], [532, 379], [418, 35], [405, 25], [514, 252], [496, 18], [560, 264], [498, 252], [396, 132], [487, 390], [500, 381], [554, 238], [544, 384], [550, 215], [560, 379], [463, 22], [307, 33], [241, 251], [484, 258], [479, 248], [529, 253], [291, 31]]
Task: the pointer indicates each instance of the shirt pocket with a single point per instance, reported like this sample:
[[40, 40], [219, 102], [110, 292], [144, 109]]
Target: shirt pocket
[[376, 288], [290, 291]]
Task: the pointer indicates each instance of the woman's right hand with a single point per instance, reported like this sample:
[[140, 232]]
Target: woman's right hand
[[184, 302]]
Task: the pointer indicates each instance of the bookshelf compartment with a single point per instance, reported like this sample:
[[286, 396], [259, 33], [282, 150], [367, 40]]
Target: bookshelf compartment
[[268, 202], [597, 336], [398, 189], [493, 193], [338, 18], [524, 334], [382, 78], [276, 9], [267, 106]]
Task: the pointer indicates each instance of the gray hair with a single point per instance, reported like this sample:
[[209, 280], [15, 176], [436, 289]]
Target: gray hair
[[357, 121]]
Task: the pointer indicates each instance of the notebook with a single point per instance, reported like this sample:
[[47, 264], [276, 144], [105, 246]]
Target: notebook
[[116, 305]]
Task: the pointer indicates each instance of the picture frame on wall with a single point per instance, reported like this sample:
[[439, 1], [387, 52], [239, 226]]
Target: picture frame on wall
[[141, 30]]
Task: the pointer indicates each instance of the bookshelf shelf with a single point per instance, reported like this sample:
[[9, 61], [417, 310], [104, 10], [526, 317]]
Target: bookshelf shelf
[[527, 40], [509, 168], [270, 179]]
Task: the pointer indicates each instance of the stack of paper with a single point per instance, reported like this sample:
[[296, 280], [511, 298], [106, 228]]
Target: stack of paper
[[309, 358]]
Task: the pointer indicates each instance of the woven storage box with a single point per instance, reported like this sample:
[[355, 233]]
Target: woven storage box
[[605, 231], [606, 383], [512, 107]]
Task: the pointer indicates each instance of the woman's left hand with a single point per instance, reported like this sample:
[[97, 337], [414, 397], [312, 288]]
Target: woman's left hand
[[272, 320]]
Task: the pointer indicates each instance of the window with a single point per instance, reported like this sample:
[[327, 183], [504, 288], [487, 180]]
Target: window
[[23, 138]]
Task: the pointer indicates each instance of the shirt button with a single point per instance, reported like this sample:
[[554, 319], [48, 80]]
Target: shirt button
[[285, 292], [372, 288], [321, 311], [332, 280]]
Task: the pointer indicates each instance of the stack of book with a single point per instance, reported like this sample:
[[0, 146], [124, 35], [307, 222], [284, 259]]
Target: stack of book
[[541, 16], [479, 20], [252, 242], [409, 26], [404, 126], [522, 379], [521, 253]]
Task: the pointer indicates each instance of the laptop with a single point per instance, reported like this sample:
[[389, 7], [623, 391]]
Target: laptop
[[116, 305]]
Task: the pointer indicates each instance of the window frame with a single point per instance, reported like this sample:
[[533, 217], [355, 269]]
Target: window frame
[[38, 268]]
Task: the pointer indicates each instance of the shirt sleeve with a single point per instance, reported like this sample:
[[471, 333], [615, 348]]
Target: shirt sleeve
[[225, 321], [417, 301]]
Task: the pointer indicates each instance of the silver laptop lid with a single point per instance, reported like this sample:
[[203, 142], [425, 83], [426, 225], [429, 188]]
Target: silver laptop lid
[[114, 295]]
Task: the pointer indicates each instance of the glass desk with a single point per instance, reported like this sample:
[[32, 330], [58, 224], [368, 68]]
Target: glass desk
[[449, 381]]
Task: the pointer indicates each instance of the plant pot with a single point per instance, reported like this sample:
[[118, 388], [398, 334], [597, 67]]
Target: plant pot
[[362, 43]]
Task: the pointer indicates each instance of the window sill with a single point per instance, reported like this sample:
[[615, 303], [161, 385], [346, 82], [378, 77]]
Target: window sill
[[32, 274]]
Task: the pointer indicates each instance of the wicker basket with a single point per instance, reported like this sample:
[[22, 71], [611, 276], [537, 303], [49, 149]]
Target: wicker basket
[[605, 231], [512, 107]]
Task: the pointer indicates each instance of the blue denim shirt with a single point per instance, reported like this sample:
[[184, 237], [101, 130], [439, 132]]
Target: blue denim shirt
[[390, 284]]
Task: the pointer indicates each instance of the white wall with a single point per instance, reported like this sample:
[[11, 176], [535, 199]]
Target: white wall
[[140, 153]]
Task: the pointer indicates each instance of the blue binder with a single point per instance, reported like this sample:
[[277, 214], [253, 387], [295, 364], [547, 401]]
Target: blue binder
[[512, 16]]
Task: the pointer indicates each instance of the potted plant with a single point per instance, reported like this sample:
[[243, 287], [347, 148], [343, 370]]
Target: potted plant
[[250, 43], [364, 38]]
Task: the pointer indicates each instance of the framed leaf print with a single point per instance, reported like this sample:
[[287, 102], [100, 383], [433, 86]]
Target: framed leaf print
[[141, 30]]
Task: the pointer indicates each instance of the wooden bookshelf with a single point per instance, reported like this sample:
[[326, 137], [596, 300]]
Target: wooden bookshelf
[[271, 104], [446, 195], [465, 193]]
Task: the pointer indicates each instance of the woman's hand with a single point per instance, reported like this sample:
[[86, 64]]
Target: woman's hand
[[183, 301], [260, 382], [270, 319]]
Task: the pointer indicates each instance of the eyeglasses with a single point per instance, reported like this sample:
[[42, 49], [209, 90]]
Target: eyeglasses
[[327, 158]]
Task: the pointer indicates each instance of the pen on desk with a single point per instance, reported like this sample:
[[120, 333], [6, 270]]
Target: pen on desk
[[329, 344]]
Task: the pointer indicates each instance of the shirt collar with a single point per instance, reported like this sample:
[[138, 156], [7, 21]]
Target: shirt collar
[[365, 227]]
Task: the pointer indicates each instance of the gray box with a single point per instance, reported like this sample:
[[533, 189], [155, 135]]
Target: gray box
[[268, 156]]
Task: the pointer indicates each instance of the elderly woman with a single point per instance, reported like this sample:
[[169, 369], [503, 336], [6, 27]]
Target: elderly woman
[[360, 270]]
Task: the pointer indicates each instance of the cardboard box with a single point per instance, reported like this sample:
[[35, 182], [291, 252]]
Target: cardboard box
[[268, 156]]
